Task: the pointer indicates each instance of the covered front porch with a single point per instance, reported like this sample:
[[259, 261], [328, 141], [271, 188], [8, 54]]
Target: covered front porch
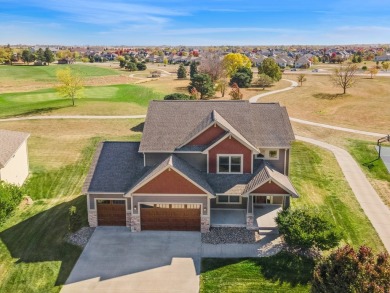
[[263, 217]]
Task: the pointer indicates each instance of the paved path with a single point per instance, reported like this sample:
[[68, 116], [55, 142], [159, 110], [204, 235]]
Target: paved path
[[377, 212], [72, 117], [294, 84], [337, 127]]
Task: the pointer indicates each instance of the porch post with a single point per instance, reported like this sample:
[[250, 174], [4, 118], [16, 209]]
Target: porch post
[[286, 202], [249, 212]]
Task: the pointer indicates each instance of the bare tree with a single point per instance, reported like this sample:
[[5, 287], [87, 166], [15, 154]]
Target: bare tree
[[212, 65], [301, 79], [345, 76]]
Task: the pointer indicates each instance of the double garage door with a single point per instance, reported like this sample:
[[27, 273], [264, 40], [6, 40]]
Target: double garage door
[[170, 217], [166, 217]]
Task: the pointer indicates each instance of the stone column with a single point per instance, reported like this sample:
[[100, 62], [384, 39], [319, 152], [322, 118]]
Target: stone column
[[135, 223], [205, 224], [128, 219], [249, 221], [92, 218]]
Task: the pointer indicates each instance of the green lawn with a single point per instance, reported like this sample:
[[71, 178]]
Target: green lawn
[[33, 254], [322, 186], [48, 73], [101, 100], [365, 154], [283, 272]]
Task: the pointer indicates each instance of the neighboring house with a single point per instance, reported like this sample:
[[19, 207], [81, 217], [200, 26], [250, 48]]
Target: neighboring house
[[384, 57], [196, 160], [13, 156], [303, 62]]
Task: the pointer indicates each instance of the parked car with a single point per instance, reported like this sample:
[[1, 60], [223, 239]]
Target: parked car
[[293, 69], [315, 70]]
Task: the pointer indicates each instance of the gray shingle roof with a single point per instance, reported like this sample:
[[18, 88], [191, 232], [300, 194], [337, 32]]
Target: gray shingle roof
[[171, 123], [10, 142], [118, 167]]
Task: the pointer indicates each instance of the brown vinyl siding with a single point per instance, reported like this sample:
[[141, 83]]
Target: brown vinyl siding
[[230, 146], [270, 188], [207, 136], [169, 182]]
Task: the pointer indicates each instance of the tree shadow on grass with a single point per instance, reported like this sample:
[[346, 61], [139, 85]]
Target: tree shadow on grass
[[37, 111], [138, 128], [325, 96], [41, 238], [281, 268]]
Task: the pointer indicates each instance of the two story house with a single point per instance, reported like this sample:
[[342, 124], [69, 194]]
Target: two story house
[[195, 159]]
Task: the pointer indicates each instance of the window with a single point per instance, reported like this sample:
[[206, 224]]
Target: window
[[273, 154], [233, 199], [259, 156], [229, 163]]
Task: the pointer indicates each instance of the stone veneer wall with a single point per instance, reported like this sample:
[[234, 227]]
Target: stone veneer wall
[[128, 219], [249, 221], [205, 224], [135, 223], [92, 218]]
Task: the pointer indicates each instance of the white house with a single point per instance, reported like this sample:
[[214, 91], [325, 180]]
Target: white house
[[13, 156]]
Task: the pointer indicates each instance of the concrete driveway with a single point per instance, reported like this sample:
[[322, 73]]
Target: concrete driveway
[[116, 260]]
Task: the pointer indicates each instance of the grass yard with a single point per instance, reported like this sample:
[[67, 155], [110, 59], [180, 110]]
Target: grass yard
[[33, 254], [283, 272], [100, 100], [364, 152], [321, 185], [30, 73], [364, 107]]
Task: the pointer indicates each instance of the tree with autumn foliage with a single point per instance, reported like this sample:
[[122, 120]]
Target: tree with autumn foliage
[[235, 93], [233, 61], [346, 270]]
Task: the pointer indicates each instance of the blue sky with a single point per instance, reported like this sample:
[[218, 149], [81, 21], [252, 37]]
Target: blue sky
[[197, 22]]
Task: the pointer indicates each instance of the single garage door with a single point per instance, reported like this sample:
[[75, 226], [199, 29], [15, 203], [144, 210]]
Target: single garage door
[[111, 212], [171, 217]]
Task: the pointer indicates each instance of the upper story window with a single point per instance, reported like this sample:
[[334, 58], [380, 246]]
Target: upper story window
[[230, 164], [268, 155]]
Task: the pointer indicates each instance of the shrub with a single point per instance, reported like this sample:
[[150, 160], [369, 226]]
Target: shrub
[[306, 229], [178, 96], [10, 197], [74, 219], [141, 66], [241, 79], [235, 93], [347, 270], [131, 66], [264, 81]]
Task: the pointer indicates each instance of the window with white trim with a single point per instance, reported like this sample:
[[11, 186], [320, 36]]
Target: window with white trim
[[229, 199], [229, 164], [273, 154]]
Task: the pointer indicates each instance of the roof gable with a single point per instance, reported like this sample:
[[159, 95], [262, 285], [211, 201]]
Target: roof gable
[[171, 124], [180, 167], [10, 141]]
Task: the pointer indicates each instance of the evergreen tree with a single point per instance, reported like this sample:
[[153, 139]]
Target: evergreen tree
[[193, 69], [203, 85], [181, 72]]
